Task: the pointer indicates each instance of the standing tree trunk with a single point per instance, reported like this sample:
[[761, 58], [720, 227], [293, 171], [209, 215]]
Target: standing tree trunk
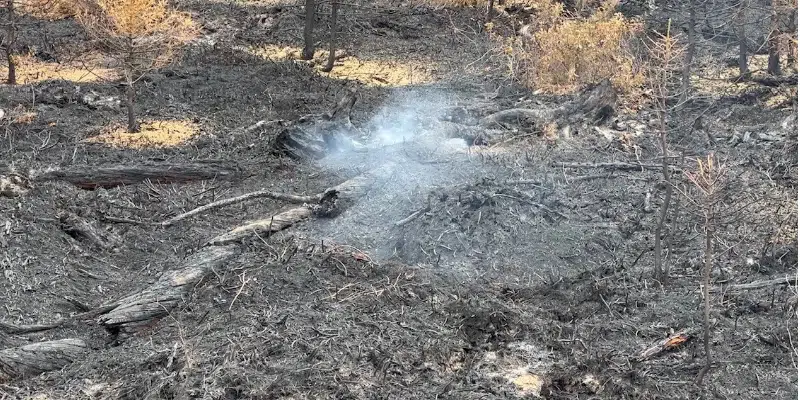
[[308, 30], [791, 55], [130, 99], [11, 39], [742, 38], [774, 58], [690, 49], [489, 10], [332, 50]]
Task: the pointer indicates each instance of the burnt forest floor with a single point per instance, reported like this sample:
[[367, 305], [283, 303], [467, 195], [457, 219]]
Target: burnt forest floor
[[520, 277]]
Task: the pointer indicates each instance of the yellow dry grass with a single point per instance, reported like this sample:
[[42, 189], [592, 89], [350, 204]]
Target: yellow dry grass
[[31, 70], [392, 73], [382, 73], [153, 134]]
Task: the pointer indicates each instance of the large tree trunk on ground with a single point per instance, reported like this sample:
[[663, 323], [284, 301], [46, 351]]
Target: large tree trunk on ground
[[34, 359], [308, 30], [171, 289], [332, 50], [88, 177]]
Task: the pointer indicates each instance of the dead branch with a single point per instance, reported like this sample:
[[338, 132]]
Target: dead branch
[[234, 200], [413, 216], [788, 280], [611, 165], [34, 359], [91, 177], [670, 343]]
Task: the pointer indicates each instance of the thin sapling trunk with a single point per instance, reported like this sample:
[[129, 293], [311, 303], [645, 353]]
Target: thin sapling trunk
[[332, 50], [130, 100], [690, 49], [11, 39]]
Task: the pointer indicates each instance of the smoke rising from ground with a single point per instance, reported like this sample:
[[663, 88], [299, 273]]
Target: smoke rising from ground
[[406, 132]]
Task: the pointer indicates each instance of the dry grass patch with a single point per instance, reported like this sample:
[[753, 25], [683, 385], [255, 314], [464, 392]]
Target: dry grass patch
[[369, 72], [383, 73], [31, 70], [153, 134]]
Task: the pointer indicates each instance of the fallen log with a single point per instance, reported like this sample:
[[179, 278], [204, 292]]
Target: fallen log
[[84, 230], [238, 199], [610, 165], [91, 177], [332, 202], [18, 329], [788, 280], [171, 289], [266, 226], [518, 116], [128, 314], [34, 359]]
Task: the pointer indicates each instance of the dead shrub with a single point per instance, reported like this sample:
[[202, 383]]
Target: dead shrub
[[140, 35], [564, 53]]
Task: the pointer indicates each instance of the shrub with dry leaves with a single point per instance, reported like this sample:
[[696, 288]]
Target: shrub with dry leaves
[[140, 35]]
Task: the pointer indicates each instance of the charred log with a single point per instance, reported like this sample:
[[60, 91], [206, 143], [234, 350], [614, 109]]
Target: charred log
[[87, 231], [171, 289], [89, 177], [34, 359]]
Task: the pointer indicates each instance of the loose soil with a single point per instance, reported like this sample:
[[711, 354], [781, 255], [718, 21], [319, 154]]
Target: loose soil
[[516, 278]]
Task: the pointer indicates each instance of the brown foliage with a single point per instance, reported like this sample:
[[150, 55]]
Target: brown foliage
[[561, 53], [140, 34]]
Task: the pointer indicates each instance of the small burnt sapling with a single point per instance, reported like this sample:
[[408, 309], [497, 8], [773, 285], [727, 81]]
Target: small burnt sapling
[[140, 35]]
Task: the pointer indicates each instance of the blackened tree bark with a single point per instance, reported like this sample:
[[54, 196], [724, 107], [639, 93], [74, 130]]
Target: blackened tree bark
[[10, 41], [742, 38], [308, 30], [774, 57]]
